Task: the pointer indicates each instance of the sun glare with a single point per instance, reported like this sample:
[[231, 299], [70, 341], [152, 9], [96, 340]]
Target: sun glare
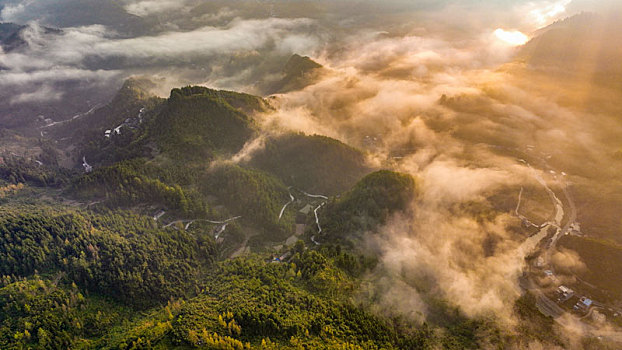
[[513, 38]]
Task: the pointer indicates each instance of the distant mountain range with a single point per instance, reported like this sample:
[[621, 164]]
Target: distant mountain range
[[11, 37], [585, 43]]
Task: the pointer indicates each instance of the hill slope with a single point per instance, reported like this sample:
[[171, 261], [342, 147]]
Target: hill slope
[[298, 72], [585, 43], [199, 123], [368, 204], [312, 163]]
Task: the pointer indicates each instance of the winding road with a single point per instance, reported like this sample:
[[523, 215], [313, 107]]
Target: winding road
[[72, 118], [87, 167], [220, 229], [317, 222], [292, 199], [313, 195]]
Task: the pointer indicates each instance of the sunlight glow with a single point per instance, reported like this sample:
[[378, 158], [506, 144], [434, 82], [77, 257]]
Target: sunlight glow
[[545, 13], [513, 38]]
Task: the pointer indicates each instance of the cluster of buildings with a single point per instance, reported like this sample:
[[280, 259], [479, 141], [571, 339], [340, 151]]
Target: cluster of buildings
[[583, 305], [129, 122]]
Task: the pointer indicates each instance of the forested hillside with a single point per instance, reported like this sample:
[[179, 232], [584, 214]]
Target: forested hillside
[[252, 194], [198, 123], [368, 204], [311, 162]]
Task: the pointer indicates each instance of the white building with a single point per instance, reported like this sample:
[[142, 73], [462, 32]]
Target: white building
[[565, 293]]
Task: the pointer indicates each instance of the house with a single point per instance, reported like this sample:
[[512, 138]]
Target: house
[[158, 215], [565, 293], [583, 304]]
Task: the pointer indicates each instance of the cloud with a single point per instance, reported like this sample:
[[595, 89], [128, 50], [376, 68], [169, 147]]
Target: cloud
[[96, 41], [240, 35], [77, 53], [514, 37], [43, 94], [211, 45], [544, 12], [149, 7], [568, 261], [14, 12], [54, 75]]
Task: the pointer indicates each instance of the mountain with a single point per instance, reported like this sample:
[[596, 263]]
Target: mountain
[[134, 94], [585, 43], [312, 163], [298, 72], [9, 36], [201, 123], [168, 241], [367, 205]]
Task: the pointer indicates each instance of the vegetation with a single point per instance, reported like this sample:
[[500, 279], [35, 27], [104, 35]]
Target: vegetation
[[242, 304], [533, 325], [199, 123], [256, 303], [369, 204], [109, 277], [252, 194], [311, 163], [39, 313], [602, 259], [130, 183], [16, 170], [112, 253]]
